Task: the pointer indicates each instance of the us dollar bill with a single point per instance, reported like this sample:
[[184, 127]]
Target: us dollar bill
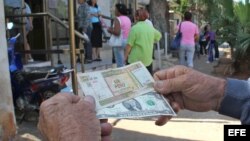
[[110, 87], [148, 105]]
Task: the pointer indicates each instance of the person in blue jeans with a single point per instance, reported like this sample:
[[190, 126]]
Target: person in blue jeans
[[210, 51], [121, 27], [190, 33], [212, 45]]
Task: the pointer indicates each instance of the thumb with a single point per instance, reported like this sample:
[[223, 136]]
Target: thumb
[[169, 85], [89, 99], [160, 86], [87, 103]]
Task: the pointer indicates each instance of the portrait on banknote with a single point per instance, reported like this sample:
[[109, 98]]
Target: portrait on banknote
[[132, 105]]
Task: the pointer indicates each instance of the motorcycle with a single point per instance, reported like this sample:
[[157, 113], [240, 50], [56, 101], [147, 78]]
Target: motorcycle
[[32, 85]]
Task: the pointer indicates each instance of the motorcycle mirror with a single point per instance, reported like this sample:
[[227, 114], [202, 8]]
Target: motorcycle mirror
[[52, 70], [10, 25]]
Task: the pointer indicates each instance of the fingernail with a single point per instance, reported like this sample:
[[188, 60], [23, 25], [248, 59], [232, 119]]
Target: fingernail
[[89, 99], [159, 84]]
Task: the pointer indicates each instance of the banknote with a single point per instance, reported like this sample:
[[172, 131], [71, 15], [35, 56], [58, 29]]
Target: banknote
[[147, 105], [114, 86]]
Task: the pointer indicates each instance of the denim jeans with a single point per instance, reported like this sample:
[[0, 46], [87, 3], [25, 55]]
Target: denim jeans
[[216, 49], [119, 54], [210, 51], [88, 46], [187, 51]]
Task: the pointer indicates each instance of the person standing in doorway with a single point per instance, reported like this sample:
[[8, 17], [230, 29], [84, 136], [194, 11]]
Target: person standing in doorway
[[122, 25], [85, 25], [190, 33], [96, 35]]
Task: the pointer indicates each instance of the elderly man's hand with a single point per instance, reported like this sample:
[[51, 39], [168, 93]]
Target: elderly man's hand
[[66, 117], [186, 88]]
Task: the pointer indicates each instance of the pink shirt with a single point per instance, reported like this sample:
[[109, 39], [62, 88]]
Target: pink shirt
[[125, 26], [189, 30]]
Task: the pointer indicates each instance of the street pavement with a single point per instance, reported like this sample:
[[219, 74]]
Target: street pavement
[[186, 126]]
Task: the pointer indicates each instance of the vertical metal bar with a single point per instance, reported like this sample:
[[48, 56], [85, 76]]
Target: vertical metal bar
[[50, 40], [57, 41], [72, 45], [45, 9], [136, 5], [7, 31], [57, 44], [23, 29], [82, 57], [166, 43], [48, 33], [159, 55]]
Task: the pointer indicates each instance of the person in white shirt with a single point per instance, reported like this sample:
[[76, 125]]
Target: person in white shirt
[[28, 28]]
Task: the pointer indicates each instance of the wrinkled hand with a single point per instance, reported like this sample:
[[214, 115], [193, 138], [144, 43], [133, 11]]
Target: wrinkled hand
[[67, 117], [186, 88]]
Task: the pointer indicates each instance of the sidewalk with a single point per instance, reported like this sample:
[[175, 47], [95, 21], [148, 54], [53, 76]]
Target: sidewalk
[[106, 56]]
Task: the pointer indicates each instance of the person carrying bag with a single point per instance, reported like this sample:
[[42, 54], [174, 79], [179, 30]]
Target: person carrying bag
[[176, 43], [189, 32], [119, 34], [116, 36]]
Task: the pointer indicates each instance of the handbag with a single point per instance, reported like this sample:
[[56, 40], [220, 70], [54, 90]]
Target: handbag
[[176, 43], [115, 41]]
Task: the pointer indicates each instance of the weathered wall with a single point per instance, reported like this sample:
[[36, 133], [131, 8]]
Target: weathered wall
[[160, 18], [7, 122]]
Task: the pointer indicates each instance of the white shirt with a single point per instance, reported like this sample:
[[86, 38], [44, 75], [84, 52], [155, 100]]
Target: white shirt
[[149, 22]]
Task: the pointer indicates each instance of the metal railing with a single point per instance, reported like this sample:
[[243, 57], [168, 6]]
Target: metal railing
[[56, 19], [48, 43], [48, 17]]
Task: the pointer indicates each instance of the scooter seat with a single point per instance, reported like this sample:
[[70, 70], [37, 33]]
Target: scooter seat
[[34, 75], [45, 69]]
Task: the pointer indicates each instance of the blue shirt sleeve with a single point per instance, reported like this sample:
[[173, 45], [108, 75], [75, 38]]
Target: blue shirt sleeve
[[236, 101], [94, 10]]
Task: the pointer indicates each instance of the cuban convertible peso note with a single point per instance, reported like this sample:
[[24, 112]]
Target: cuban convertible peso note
[[114, 86]]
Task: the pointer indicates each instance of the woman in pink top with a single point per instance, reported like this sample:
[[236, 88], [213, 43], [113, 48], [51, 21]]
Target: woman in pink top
[[189, 32], [122, 25]]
